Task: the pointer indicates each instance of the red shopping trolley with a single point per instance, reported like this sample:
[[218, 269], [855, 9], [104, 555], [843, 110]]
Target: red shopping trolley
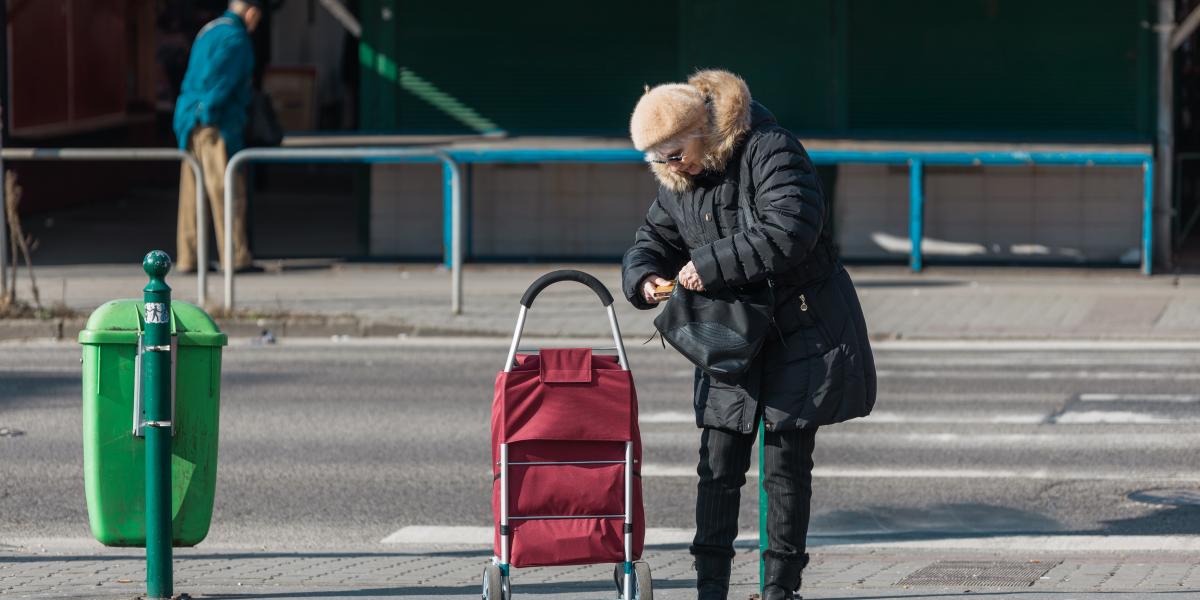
[[566, 458]]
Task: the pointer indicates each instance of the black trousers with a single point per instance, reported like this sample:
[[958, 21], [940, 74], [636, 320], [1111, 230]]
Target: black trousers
[[724, 461]]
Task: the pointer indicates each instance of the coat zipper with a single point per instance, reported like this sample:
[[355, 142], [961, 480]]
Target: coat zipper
[[818, 320]]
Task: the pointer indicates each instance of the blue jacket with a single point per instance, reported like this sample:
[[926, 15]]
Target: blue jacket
[[217, 87]]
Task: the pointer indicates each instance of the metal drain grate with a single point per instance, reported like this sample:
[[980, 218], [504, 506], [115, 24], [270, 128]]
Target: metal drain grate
[[958, 573]]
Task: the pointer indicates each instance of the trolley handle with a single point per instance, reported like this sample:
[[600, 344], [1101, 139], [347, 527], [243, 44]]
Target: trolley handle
[[554, 277]]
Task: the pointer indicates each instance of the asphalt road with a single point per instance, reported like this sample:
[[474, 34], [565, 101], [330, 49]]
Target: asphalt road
[[342, 444]]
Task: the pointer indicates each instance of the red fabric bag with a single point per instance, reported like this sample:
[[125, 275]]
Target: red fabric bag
[[566, 405]]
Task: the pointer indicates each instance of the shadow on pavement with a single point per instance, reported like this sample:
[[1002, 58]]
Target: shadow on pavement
[[518, 588], [908, 283], [1012, 594], [17, 387], [975, 520]]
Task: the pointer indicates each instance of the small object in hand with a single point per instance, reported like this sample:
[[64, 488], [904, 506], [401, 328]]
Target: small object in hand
[[662, 292]]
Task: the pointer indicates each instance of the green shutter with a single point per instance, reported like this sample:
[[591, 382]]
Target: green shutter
[[530, 67], [983, 69], [788, 52], [1000, 68]]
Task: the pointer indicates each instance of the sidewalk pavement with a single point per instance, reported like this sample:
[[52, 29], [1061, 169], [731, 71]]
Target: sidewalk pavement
[[326, 298], [450, 573]]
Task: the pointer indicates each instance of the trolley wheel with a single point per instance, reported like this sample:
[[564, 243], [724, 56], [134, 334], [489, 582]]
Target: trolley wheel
[[495, 584], [643, 586]]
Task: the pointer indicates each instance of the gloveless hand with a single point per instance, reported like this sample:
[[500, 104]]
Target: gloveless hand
[[689, 278], [648, 285]]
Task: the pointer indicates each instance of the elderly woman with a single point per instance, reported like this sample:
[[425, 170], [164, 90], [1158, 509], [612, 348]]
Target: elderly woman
[[712, 148]]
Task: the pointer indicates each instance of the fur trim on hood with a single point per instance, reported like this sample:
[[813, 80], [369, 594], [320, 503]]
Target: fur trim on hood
[[728, 101]]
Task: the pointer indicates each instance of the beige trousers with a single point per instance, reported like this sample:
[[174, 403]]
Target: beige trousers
[[207, 145]]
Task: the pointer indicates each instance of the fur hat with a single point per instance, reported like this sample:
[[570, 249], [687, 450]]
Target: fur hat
[[716, 100], [665, 112]]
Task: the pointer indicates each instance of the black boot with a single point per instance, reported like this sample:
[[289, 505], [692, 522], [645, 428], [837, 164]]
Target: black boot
[[783, 578], [712, 576]]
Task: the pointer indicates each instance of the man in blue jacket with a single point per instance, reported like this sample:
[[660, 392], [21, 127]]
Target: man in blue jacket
[[209, 117]]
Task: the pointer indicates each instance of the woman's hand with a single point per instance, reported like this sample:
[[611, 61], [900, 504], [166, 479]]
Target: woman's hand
[[689, 278], [648, 284]]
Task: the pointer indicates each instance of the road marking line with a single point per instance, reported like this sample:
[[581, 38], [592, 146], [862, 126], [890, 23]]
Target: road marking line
[[1117, 417], [951, 419], [1058, 439], [1042, 375], [1177, 398], [1054, 398], [836, 472], [1021, 543], [1028, 359], [1034, 345], [482, 536], [500, 341], [833, 541], [668, 417], [884, 417]]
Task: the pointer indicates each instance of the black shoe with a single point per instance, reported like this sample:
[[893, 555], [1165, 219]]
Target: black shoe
[[712, 576], [249, 269], [782, 578]]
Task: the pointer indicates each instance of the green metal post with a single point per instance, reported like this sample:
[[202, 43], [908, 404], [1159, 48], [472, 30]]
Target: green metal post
[[156, 391], [762, 510]]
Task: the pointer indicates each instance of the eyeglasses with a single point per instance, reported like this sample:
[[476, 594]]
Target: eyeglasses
[[671, 158]]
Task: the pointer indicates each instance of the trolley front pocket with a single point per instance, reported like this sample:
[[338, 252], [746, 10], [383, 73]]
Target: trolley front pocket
[[566, 490], [569, 542]]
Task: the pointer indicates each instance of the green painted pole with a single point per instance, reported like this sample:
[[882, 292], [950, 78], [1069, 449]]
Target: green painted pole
[[762, 511], [156, 391]]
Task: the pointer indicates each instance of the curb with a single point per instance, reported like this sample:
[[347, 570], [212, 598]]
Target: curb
[[66, 329], [315, 326]]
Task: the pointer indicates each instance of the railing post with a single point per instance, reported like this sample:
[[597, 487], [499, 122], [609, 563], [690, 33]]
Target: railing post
[[916, 211], [452, 198], [107, 154], [454, 176], [157, 417], [1147, 216], [448, 228], [227, 264]]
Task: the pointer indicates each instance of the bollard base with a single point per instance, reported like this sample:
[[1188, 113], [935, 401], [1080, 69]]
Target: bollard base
[[175, 597]]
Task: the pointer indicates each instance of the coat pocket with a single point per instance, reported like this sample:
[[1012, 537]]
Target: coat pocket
[[807, 391], [721, 405], [801, 311]]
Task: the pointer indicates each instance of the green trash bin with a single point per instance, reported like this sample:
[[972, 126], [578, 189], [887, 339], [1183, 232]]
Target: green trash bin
[[114, 458]]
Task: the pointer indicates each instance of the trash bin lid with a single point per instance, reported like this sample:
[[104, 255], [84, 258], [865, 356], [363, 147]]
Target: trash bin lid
[[120, 322]]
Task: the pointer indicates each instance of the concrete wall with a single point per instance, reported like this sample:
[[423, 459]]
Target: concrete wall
[[406, 210], [519, 211], [1072, 214], [565, 210]]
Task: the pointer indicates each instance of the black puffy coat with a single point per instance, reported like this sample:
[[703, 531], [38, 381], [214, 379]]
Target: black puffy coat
[[818, 369]]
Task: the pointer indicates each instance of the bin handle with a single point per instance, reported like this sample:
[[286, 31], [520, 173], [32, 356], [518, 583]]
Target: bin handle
[[554, 277]]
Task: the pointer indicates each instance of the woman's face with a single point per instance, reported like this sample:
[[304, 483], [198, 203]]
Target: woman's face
[[686, 158]]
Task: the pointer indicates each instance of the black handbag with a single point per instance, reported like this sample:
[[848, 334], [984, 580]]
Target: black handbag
[[720, 332], [262, 124]]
